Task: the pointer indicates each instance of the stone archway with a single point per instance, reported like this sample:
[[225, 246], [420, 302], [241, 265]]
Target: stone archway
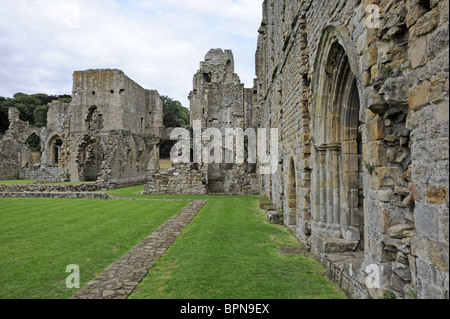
[[54, 150], [35, 147], [292, 193], [90, 159], [337, 195]]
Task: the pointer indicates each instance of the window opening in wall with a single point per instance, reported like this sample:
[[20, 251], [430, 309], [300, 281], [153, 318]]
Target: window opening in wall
[[207, 77]]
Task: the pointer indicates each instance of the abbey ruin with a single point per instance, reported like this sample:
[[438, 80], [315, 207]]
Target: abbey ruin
[[362, 108]]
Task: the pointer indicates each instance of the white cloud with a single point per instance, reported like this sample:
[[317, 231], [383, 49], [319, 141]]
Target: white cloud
[[159, 44]]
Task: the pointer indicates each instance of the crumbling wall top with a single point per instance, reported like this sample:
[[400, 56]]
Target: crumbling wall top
[[218, 67]]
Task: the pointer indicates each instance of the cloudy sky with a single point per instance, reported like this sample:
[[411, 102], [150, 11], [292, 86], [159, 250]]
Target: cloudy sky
[[157, 43]]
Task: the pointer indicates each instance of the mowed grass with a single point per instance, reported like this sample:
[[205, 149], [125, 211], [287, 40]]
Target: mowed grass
[[39, 238], [229, 252]]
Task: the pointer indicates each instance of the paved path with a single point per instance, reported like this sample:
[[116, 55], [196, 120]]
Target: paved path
[[120, 279]]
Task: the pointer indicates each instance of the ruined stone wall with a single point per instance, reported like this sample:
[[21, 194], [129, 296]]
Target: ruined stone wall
[[18, 160], [219, 100], [181, 179], [119, 102], [363, 119], [109, 132], [113, 129]]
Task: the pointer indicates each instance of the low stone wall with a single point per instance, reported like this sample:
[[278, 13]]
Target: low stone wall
[[239, 182], [68, 195], [345, 269], [41, 188], [183, 179]]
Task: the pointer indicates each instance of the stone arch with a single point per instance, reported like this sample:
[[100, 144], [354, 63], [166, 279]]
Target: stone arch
[[90, 159], [292, 193], [34, 144], [337, 205], [54, 146]]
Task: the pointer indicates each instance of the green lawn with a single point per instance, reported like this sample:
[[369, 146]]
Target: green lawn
[[40, 237], [227, 252], [230, 252]]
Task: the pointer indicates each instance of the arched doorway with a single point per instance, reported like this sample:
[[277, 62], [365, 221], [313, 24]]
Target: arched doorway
[[90, 159], [292, 193], [35, 147], [337, 198], [54, 150]]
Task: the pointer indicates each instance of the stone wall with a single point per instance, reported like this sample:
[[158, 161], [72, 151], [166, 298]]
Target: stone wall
[[40, 188], [109, 133], [65, 195], [220, 101], [181, 179], [363, 120]]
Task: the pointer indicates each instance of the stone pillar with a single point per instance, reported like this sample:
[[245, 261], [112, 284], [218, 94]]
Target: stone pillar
[[322, 185], [336, 185], [315, 194]]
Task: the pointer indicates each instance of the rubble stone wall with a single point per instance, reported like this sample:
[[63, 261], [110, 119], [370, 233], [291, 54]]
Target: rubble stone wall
[[363, 119]]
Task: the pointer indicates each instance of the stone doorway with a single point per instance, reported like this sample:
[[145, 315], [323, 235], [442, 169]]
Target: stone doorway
[[90, 159], [292, 194], [54, 149], [337, 195]]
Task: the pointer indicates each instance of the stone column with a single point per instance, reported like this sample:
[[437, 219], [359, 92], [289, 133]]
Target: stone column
[[336, 185], [315, 194], [323, 185], [330, 186]]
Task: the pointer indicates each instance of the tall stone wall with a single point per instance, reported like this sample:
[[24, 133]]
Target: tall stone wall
[[363, 120], [220, 101], [109, 133], [121, 103]]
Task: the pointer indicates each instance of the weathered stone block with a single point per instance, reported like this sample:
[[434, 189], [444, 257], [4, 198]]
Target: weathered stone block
[[419, 95], [398, 231], [386, 177], [396, 90], [437, 195], [427, 220], [418, 52], [428, 22], [377, 129]]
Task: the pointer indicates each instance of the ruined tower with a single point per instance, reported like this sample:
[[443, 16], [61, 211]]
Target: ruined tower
[[219, 100], [109, 133]]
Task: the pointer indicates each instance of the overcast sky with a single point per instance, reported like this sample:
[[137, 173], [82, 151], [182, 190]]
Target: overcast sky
[[158, 44]]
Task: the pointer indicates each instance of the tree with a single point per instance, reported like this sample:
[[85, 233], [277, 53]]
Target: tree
[[175, 114], [33, 108], [40, 115], [170, 120], [4, 121]]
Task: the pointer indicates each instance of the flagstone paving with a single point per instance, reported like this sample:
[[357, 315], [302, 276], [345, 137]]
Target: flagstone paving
[[120, 279]]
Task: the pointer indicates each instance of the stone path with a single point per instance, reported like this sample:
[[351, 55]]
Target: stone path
[[120, 279]]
